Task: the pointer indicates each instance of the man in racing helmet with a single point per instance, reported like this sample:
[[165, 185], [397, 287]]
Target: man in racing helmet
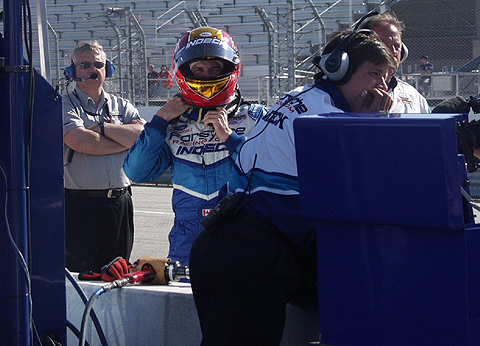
[[200, 89], [196, 133]]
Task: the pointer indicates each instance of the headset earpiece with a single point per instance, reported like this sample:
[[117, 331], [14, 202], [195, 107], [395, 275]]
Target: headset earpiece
[[69, 71], [336, 65], [109, 69], [404, 53]]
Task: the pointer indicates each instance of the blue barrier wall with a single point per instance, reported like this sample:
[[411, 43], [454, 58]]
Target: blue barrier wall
[[398, 259]]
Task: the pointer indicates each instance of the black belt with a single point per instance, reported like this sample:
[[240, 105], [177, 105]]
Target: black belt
[[110, 193]]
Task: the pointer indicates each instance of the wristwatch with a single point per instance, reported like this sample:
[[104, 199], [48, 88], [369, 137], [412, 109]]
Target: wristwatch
[[102, 129]]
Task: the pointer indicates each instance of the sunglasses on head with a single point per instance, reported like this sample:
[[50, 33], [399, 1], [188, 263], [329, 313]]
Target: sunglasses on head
[[86, 64]]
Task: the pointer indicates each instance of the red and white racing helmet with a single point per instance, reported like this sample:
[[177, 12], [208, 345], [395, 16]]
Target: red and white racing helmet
[[206, 43]]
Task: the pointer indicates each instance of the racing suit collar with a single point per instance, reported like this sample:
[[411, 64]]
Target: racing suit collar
[[393, 83], [331, 89], [197, 114]]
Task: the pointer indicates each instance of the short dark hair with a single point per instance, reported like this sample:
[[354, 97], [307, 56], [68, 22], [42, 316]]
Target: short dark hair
[[363, 46], [424, 57], [383, 18]]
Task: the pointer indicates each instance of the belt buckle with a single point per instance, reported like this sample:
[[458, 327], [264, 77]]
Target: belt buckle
[[109, 194]]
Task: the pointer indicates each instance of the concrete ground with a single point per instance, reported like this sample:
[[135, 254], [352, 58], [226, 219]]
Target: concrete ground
[[153, 218], [171, 319]]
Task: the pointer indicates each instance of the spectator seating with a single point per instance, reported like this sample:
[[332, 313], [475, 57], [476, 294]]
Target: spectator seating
[[78, 20]]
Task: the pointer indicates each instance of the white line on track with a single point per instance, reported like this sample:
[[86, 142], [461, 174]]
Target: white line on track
[[153, 212]]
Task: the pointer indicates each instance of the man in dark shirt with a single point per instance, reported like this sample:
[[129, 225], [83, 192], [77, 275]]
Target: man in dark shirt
[[426, 69]]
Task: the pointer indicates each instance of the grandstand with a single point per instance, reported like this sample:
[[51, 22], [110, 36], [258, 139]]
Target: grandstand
[[276, 38], [293, 28]]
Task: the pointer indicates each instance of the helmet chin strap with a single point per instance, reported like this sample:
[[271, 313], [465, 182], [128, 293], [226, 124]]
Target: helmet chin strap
[[231, 107]]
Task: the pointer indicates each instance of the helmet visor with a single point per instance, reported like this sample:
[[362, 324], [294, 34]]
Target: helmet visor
[[207, 88]]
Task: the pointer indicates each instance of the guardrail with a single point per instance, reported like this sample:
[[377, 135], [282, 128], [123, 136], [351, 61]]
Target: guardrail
[[443, 85]]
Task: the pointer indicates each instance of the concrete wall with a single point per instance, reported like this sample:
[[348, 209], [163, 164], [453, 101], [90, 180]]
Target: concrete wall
[[147, 112]]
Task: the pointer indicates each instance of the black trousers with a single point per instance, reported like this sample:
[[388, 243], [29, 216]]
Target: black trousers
[[242, 275], [98, 229]]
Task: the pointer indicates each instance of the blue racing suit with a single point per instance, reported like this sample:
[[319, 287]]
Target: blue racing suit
[[200, 165]]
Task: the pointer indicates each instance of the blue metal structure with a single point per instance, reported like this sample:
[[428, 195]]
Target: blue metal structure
[[32, 284], [398, 258]]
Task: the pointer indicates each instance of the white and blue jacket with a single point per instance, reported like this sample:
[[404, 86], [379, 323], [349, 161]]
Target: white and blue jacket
[[266, 166]]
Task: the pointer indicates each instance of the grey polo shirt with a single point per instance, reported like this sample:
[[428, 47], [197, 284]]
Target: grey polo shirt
[[93, 172]]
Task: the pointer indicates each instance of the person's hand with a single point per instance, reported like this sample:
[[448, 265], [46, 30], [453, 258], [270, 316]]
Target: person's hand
[[173, 108], [136, 121], [476, 153], [218, 118], [372, 101], [115, 270]]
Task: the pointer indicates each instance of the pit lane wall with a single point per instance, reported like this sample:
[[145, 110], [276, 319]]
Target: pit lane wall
[[395, 236], [162, 316]]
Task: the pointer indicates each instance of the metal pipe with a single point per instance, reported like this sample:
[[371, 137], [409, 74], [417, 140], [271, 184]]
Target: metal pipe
[[130, 73], [166, 12], [43, 40], [144, 56], [119, 53], [271, 31], [57, 52], [291, 44], [322, 33]]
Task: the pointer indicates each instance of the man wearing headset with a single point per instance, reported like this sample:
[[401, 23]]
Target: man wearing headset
[[197, 133], [406, 99], [98, 130], [248, 262]]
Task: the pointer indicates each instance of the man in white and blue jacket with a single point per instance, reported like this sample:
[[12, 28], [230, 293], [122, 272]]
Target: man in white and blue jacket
[[250, 260]]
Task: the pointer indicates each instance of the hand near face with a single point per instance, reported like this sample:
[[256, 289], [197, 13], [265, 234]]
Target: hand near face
[[173, 108], [367, 89], [218, 118], [372, 101], [476, 153]]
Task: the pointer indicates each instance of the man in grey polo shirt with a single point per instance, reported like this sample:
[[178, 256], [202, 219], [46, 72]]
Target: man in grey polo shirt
[[98, 129]]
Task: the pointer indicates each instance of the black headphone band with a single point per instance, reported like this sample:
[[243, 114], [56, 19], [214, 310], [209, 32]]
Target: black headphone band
[[363, 19], [346, 40], [336, 64]]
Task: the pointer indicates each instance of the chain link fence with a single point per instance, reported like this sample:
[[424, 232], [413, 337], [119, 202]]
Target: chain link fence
[[447, 33], [277, 40]]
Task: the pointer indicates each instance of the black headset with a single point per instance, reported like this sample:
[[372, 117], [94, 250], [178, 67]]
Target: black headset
[[404, 49], [336, 65], [70, 74]]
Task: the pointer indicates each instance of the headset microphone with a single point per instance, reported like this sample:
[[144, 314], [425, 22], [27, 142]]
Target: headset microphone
[[92, 76]]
